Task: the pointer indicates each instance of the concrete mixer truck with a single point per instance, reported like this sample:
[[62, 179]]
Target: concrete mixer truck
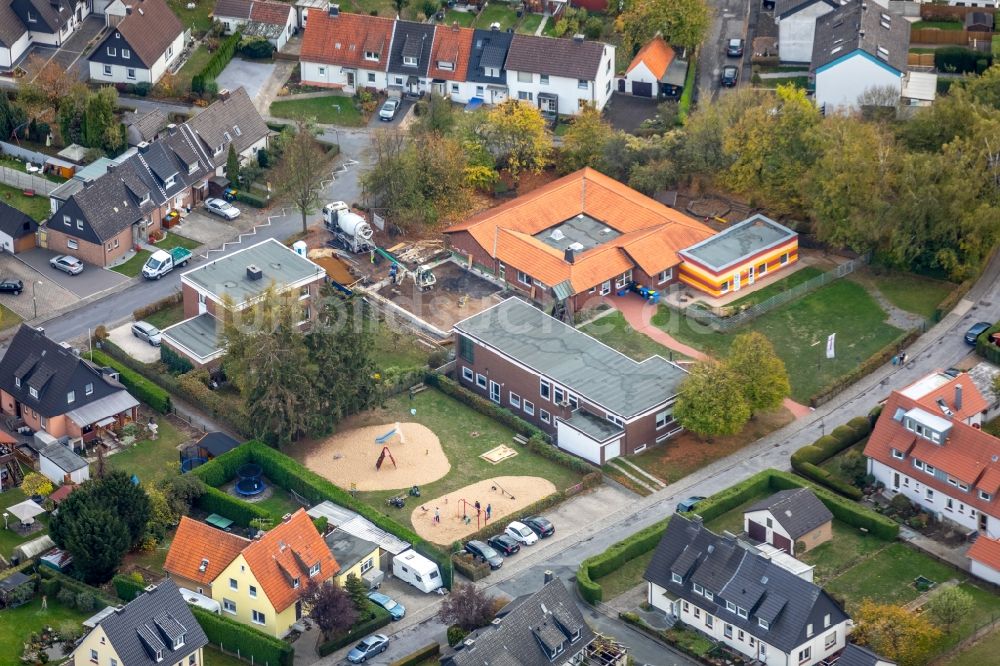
[[348, 228]]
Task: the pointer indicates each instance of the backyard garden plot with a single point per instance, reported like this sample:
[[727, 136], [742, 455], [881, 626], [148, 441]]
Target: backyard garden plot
[[17, 624]]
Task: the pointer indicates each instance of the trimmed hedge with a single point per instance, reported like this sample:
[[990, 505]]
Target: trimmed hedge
[[733, 496], [960, 59], [290, 475], [421, 656], [156, 306], [75, 586], [807, 459], [614, 558], [472, 570], [126, 588], [140, 387], [687, 95], [221, 58], [253, 645], [251, 199], [378, 618], [987, 349]]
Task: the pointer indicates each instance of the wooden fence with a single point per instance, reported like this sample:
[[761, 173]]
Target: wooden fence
[[933, 12], [920, 59], [938, 36]]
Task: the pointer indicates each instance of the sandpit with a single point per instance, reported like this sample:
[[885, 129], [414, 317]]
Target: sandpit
[[525, 489], [349, 458]]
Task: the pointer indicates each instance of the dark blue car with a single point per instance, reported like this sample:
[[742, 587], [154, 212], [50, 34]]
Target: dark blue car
[[977, 329]]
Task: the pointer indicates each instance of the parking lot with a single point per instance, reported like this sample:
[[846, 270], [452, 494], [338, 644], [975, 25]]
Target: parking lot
[[133, 346], [49, 296], [250, 75], [93, 279], [209, 230]]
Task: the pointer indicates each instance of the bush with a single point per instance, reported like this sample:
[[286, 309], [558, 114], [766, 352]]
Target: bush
[[377, 618], [66, 598], [845, 435], [127, 588], [959, 59], [422, 656], [456, 635], [251, 199], [140, 387], [263, 158], [987, 349], [861, 425], [176, 364], [85, 601], [807, 459], [614, 558], [256, 48], [48, 587], [73, 587], [466, 565], [593, 27], [142, 89], [253, 645]]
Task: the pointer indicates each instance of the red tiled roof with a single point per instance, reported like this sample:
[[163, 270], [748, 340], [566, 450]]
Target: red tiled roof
[[196, 541], [7, 438], [651, 233], [968, 454], [656, 55], [986, 551], [343, 40], [451, 44], [973, 401], [270, 12], [286, 553]]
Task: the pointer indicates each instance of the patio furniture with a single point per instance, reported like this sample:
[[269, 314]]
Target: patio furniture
[[215, 520]]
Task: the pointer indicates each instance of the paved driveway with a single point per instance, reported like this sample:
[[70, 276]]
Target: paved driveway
[[626, 112], [138, 349], [69, 56], [49, 297], [91, 281], [406, 108], [251, 75], [730, 20]]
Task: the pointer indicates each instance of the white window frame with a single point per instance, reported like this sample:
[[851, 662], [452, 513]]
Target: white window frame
[[763, 624], [33, 391], [468, 374], [525, 77], [898, 455], [107, 70], [544, 416], [544, 389], [830, 640], [558, 395], [72, 244], [253, 591], [70, 397], [229, 606], [233, 584], [524, 278], [582, 84], [783, 259], [481, 381], [528, 407], [543, 79], [985, 496], [515, 400], [130, 73], [662, 419], [676, 577], [127, 54], [409, 61], [254, 614], [665, 275], [371, 56], [112, 52]]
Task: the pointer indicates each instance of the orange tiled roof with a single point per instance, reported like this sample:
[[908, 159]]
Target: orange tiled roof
[[343, 40], [986, 551], [973, 401], [196, 541], [286, 553], [451, 44], [969, 454], [657, 56], [651, 233]]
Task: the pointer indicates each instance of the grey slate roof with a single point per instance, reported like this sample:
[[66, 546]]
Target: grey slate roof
[[548, 617], [232, 8], [14, 223], [11, 27], [63, 457], [738, 573], [227, 121], [145, 125], [347, 548], [51, 16], [865, 26], [152, 621], [582, 364], [556, 57], [489, 49], [54, 371], [411, 40], [785, 8], [855, 655], [798, 510], [217, 443]]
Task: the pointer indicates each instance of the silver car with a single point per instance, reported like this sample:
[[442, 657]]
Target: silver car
[[66, 264], [389, 110], [222, 208], [146, 331]]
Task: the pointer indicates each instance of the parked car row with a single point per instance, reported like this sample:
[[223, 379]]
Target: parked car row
[[518, 533]]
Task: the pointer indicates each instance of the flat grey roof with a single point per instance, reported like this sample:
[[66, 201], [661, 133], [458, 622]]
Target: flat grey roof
[[739, 242], [582, 364], [227, 276], [598, 429], [348, 549], [198, 335], [63, 457], [584, 230]]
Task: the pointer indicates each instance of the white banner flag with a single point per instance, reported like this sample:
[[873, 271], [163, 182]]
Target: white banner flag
[[830, 341]]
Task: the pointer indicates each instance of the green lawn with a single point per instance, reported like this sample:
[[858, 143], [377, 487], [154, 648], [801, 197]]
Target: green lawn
[[529, 24], [550, 28], [452, 422], [381, 7], [985, 609], [152, 461], [464, 19], [913, 293], [615, 332], [841, 552], [194, 64], [8, 318], [625, 577], [732, 520], [279, 503], [167, 316], [133, 266], [799, 331], [398, 349], [16, 164], [888, 577], [778, 286], [37, 207], [215, 658], [176, 240], [797, 81], [198, 18], [331, 109], [981, 653], [497, 13], [9, 540], [940, 25], [18, 623]]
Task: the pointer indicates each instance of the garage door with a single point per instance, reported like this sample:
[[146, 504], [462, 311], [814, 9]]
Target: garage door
[[783, 543], [757, 531], [642, 89]]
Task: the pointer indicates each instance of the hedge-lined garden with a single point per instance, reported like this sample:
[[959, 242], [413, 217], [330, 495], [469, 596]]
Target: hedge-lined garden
[[806, 460], [252, 645], [140, 387], [377, 617], [614, 558], [205, 79]]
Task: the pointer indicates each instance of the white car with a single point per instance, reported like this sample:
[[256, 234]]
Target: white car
[[521, 533], [388, 110], [222, 208]]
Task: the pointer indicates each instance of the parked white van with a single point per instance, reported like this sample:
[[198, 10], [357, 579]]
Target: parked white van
[[420, 572]]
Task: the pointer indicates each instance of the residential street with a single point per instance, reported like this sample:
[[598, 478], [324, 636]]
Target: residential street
[[729, 20]]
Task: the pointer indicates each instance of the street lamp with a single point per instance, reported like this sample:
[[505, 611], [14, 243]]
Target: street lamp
[[5, 516], [34, 302]]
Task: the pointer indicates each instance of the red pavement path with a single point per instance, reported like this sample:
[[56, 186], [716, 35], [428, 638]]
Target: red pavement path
[[638, 313]]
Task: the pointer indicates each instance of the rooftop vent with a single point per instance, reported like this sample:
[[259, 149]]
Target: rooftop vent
[[143, 147], [203, 567], [224, 94], [254, 272], [495, 26], [557, 235], [577, 37], [334, 10]]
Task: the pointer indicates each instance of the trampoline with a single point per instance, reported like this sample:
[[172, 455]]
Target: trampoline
[[192, 456], [189, 464], [250, 483]]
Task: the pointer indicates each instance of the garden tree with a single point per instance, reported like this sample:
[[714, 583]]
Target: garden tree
[[710, 401], [182, 490], [515, 136], [301, 172], [233, 166], [652, 177], [100, 127], [331, 608], [948, 606], [128, 501], [357, 591], [682, 22], [895, 633], [95, 536], [161, 513], [36, 484], [438, 115], [584, 141], [11, 115], [467, 607], [852, 183], [773, 144], [760, 372], [70, 116], [52, 83], [700, 148]]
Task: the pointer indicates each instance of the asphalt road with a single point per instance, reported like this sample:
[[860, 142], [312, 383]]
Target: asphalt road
[[729, 21]]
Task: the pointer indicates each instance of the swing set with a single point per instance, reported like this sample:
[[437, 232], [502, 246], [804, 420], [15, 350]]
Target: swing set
[[464, 509]]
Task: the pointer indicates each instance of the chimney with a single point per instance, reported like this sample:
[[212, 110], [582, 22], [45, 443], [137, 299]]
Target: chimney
[[334, 10], [254, 272], [454, 26], [111, 168], [577, 37], [224, 94], [549, 576], [143, 146], [569, 255], [958, 397], [128, 10]]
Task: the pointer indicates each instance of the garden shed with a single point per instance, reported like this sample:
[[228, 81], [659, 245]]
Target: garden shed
[[15, 590]]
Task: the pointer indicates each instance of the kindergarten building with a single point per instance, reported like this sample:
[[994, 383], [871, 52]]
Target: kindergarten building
[[585, 235]]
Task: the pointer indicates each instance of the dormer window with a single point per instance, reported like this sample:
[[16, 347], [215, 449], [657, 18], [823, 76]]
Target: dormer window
[[492, 72], [145, 199], [295, 583], [17, 382], [676, 577], [169, 182], [159, 655], [709, 595], [730, 606], [31, 17], [192, 167], [71, 397], [985, 496], [742, 612], [179, 641], [897, 454], [698, 589], [219, 149], [762, 623], [371, 55], [33, 391], [88, 389], [446, 65], [313, 570], [409, 61]]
